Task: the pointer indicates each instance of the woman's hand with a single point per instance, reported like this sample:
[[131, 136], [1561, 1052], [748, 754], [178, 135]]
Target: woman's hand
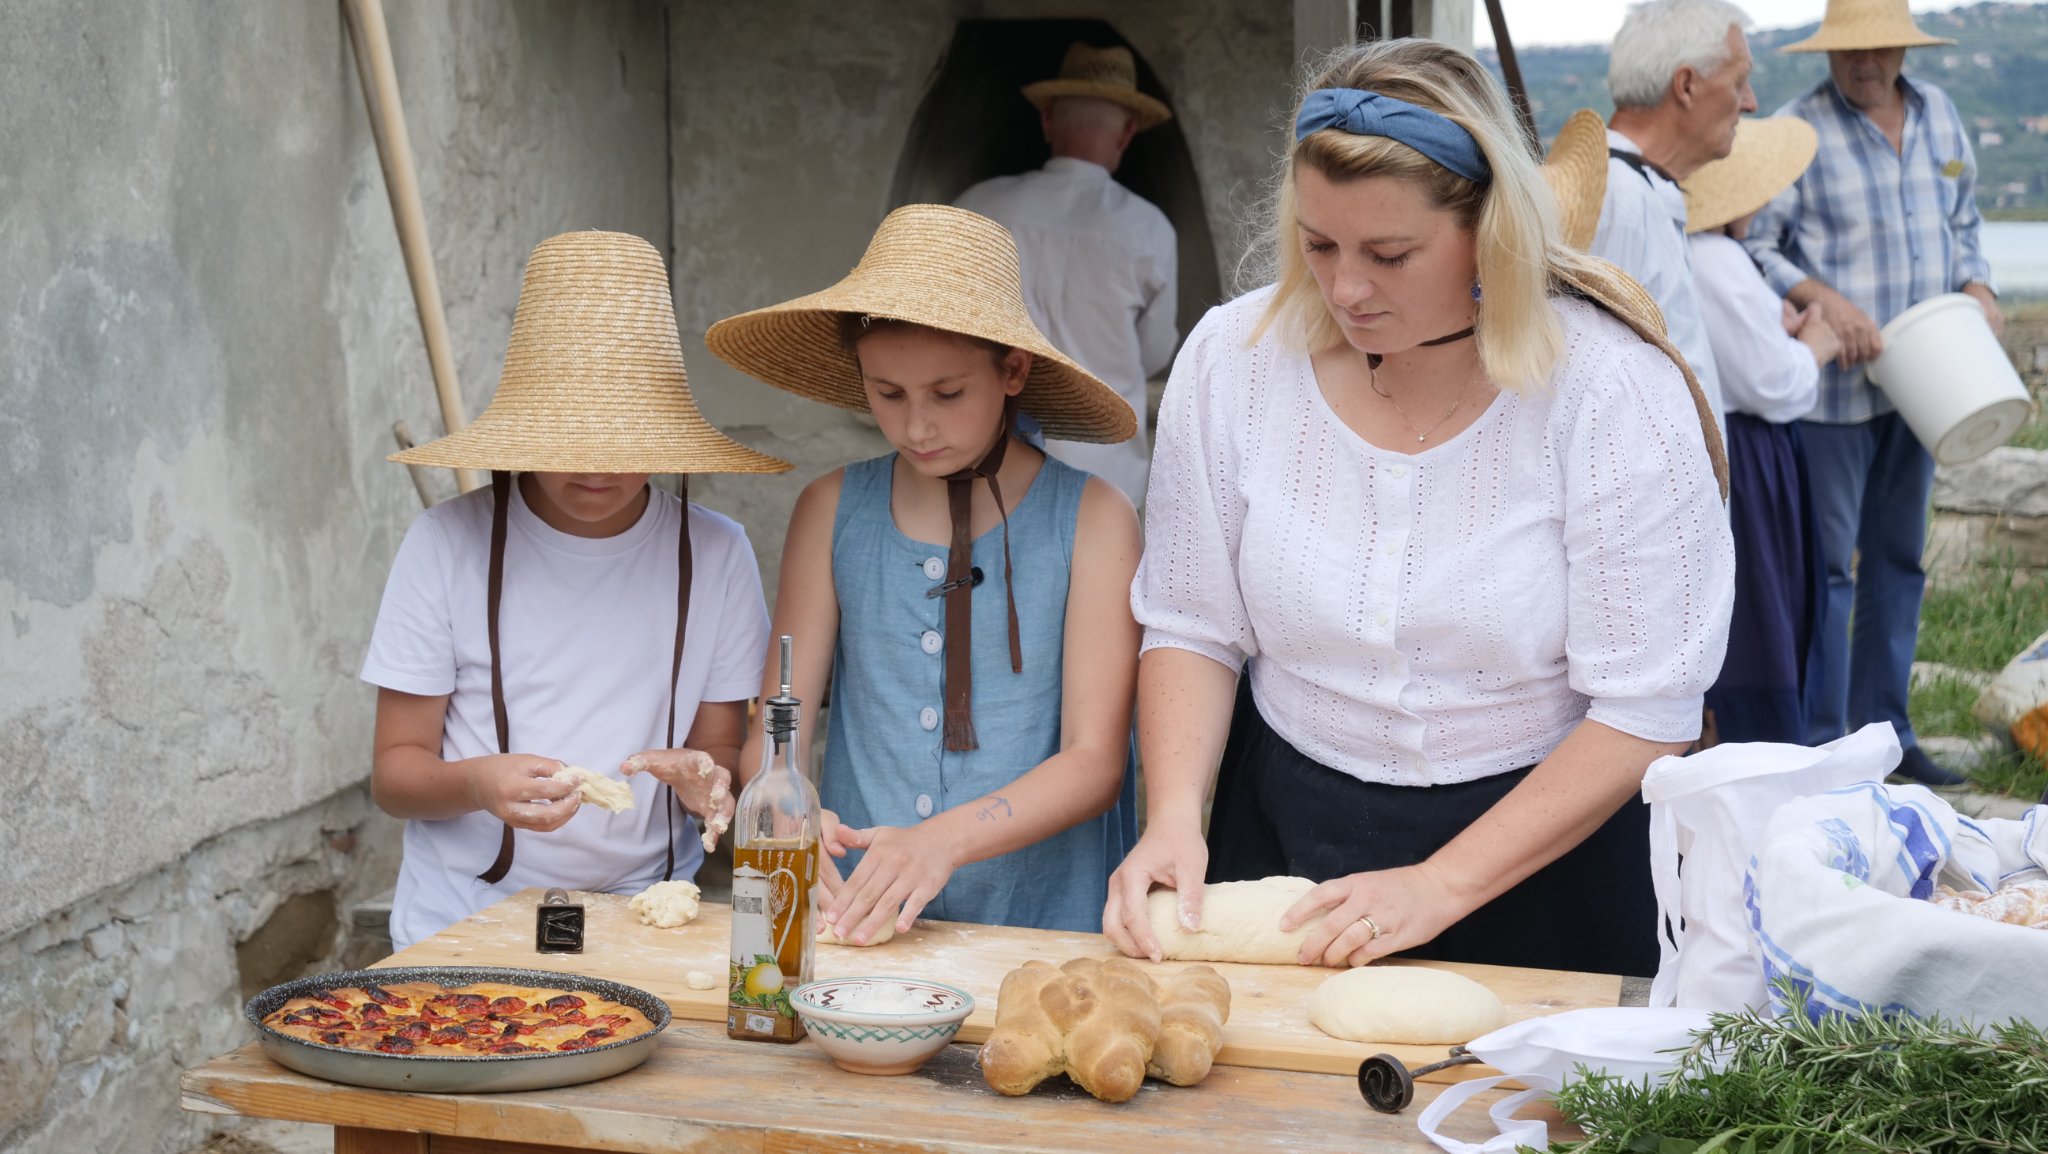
[[701, 784], [1410, 905], [520, 790], [1175, 858], [903, 868]]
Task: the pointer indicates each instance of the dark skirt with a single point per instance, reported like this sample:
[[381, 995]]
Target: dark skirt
[[1758, 696], [1278, 812]]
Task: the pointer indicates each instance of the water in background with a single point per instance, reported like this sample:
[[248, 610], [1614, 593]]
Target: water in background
[[2018, 251]]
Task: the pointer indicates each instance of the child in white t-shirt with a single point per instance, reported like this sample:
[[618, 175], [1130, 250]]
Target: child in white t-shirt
[[535, 625]]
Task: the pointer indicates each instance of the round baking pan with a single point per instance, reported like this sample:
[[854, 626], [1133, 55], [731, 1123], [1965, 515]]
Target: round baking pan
[[468, 1074]]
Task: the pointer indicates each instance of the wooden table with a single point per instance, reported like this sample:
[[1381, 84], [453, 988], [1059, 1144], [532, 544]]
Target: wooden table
[[702, 1092]]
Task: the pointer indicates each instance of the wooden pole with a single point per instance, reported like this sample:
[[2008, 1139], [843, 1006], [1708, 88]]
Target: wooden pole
[[1512, 72], [394, 152]]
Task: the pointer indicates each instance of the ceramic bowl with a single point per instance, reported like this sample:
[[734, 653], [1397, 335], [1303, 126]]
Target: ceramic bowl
[[881, 1025]]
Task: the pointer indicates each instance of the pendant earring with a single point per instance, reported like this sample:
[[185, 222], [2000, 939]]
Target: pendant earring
[[1475, 290]]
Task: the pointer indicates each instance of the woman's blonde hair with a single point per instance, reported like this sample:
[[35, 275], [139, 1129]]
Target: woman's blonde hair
[[1513, 217]]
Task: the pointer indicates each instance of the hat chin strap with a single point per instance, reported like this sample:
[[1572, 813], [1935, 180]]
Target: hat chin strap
[[960, 585]]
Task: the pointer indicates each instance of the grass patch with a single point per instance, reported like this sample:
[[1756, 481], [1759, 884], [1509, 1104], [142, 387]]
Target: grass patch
[[1981, 618], [2011, 771], [1940, 707], [1978, 620]]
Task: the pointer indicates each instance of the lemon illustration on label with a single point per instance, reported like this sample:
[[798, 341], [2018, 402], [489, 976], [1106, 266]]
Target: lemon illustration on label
[[763, 980]]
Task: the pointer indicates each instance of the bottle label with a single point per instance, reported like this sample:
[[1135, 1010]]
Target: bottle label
[[772, 939]]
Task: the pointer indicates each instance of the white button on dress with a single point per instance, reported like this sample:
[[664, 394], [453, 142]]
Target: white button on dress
[[931, 641], [928, 718], [924, 805], [934, 568]]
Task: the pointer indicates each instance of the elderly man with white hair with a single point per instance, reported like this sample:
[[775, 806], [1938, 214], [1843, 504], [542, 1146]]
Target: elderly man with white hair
[[1098, 260], [1679, 74]]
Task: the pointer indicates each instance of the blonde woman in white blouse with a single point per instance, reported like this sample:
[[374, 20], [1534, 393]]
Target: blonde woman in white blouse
[[1447, 495]]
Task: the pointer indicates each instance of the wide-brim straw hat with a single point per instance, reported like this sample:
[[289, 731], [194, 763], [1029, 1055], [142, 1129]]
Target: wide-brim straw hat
[[932, 265], [1613, 290], [593, 379], [1577, 171], [1853, 24], [1105, 74], [1769, 154]]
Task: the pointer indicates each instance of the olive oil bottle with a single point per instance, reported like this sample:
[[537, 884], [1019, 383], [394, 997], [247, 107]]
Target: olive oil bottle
[[775, 866]]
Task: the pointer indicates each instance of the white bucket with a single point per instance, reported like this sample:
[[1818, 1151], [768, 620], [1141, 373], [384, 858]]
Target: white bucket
[[1950, 379]]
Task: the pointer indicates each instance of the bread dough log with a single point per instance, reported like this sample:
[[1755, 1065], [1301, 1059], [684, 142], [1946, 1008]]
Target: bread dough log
[[597, 789], [1240, 922], [1412, 1004], [699, 980], [829, 936], [1193, 1005], [666, 905]]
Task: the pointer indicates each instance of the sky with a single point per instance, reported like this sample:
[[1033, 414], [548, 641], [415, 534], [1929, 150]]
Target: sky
[[1594, 21]]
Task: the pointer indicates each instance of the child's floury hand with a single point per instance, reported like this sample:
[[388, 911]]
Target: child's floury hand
[[519, 790], [703, 786]]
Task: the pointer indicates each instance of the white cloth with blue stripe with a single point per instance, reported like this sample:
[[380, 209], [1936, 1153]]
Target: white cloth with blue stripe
[[1836, 902], [1709, 811]]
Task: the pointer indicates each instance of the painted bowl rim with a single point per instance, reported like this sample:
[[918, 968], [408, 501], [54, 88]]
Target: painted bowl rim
[[958, 1014]]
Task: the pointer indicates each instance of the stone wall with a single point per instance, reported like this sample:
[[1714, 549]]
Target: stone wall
[[788, 121], [205, 336]]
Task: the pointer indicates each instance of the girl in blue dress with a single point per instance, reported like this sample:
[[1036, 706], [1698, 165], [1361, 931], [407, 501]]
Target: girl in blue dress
[[968, 595]]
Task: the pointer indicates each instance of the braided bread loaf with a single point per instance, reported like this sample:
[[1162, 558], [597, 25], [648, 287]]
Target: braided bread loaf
[[1106, 1025]]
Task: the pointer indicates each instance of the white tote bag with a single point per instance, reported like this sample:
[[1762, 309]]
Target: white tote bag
[[1545, 1053], [1838, 897], [1708, 811]]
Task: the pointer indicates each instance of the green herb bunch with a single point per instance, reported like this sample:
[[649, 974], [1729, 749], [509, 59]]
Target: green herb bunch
[[1753, 1084]]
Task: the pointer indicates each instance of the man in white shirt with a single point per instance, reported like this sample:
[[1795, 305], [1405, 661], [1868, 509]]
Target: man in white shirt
[[1098, 260], [1679, 75]]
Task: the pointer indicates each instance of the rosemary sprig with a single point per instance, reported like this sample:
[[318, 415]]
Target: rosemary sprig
[[1876, 1084]]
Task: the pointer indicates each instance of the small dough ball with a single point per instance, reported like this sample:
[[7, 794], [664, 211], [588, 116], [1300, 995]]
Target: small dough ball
[[597, 789], [666, 905], [699, 980], [1240, 922], [829, 936], [1410, 1004]]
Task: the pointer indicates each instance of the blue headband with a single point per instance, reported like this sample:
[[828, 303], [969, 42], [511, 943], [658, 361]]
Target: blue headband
[[1363, 113]]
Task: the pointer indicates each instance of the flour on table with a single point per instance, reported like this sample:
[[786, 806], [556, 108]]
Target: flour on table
[[597, 789], [1411, 1004], [666, 905], [1240, 922]]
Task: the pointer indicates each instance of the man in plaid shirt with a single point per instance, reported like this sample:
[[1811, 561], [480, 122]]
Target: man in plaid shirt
[[1885, 218]]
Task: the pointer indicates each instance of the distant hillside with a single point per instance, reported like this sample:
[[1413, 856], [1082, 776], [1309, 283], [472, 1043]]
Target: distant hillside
[[1997, 73]]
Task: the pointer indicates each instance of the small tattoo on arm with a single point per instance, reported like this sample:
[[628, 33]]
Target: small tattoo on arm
[[988, 812]]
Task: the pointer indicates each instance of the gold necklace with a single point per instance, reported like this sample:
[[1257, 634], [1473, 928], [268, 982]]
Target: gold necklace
[[1372, 368]]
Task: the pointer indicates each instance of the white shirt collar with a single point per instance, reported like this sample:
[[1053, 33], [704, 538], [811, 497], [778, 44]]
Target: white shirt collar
[[1075, 166]]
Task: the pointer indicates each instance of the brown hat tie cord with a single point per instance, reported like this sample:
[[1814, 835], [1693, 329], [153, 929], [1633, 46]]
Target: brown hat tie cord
[[960, 586], [501, 495]]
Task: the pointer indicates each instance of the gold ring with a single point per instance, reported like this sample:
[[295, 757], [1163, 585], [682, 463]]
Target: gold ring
[[1371, 925]]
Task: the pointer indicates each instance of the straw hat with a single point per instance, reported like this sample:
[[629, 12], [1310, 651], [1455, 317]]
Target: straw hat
[[1607, 286], [593, 380], [932, 265], [1769, 154], [1853, 24], [1105, 74], [1577, 171]]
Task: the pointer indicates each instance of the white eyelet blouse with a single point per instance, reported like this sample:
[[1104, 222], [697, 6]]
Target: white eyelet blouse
[[1450, 615]]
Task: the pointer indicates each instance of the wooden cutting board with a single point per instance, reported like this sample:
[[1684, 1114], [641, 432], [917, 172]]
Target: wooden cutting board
[[1268, 1026]]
